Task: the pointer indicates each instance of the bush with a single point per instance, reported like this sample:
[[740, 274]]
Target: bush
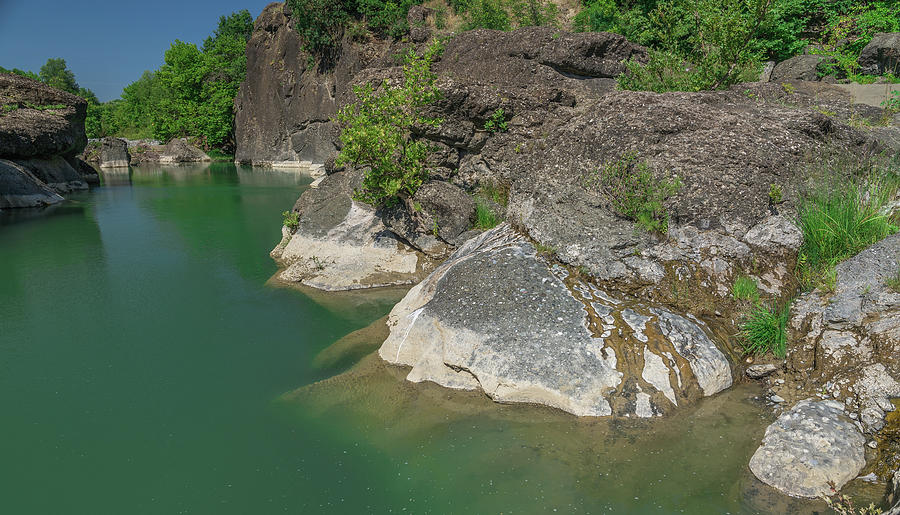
[[840, 220], [635, 193], [764, 330], [290, 220], [375, 131], [719, 53]]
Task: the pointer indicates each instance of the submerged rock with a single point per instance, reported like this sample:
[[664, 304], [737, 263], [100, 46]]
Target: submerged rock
[[495, 317], [809, 448]]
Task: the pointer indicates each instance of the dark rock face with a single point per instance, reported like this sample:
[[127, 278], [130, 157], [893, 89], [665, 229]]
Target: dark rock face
[[449, 208], [114, 153], [284, 107], [47, 121], [41, 132], [881, 55], [20, 188], [800, 67]]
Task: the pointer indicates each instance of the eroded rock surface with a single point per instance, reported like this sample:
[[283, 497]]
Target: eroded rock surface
[[340, 244], [847, 343], [496, 317], [807, 448], [20, 188], [114, 153]]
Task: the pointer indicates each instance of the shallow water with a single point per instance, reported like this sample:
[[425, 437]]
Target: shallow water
[[144, 354]]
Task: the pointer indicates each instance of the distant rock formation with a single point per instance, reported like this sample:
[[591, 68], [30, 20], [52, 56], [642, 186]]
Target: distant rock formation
[[41, 132]]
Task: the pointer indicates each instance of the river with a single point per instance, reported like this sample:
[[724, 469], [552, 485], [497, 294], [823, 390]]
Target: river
[[149, 365]]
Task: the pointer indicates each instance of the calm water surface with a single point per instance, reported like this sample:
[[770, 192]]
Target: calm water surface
[[146, 366]]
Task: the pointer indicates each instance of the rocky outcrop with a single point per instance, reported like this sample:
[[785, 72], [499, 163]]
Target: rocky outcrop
[[340, 244], [894, 497], [497, 317], [20, 188], [881, 55], [808, 449], [114, 153], [41, 132], [846, 343], [801, 67], [180, 150]]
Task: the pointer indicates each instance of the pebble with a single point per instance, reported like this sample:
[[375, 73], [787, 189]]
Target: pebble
[[776, 399]]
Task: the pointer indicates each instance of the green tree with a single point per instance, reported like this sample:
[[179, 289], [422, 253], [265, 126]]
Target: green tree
[[376, 131], [56, 74]]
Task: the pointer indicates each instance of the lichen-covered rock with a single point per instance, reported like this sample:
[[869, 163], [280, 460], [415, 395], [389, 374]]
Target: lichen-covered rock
[[340, 244], [19, 188], [808, 448], [847, 343], [114, 153], [497, 317]]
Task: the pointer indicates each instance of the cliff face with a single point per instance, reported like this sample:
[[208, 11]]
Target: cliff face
[[41, 131], [284, 106]]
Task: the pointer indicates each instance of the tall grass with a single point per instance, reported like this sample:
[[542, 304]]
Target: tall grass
[[764, 329], [485, 217], [840, 220], [745, 288]]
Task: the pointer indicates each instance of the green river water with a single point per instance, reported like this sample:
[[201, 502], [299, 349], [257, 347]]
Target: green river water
[[145, 357]]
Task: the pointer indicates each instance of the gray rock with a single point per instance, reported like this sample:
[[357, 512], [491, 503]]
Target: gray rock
[[19, 188], [448, 208], [495, 317], [761, 370], [808, 447], [766, 74], [775, 234], [341, 244], [179, 150], [881, 55], [114, 153], [846, 342], [894, 497], [800, 67], [56, 172]]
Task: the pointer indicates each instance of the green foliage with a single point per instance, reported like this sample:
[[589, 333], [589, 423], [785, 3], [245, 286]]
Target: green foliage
[[506, 14], [496, 122], [290, 220], [56, 74], [487, 14], [745, 288], [892, 103], [893, 282], [498, 193], [485, 217], [23, 73], [635, 193], [775, 195], [839, 220], [719, 52], [375, 131], [548, 251], [849, 30], [764, 329]]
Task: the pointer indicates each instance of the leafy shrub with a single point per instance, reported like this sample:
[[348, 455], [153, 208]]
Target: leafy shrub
[[496, 122], [291, 220], [719, 53], [892, 103], [635, 193], [745, 288], [840, 220], [775, 195], [764, 330], [376, 131]]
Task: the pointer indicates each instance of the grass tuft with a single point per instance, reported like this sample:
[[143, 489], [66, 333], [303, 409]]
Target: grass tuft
[[745, 288], [485, 217], [764, 330], [840, 221]]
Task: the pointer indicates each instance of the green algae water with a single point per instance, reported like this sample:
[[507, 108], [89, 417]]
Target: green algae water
[[148, 365]]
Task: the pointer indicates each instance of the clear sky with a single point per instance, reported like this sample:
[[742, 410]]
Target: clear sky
[[107, 44]]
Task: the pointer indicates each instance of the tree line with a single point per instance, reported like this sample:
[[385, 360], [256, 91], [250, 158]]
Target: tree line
[[190, 95]]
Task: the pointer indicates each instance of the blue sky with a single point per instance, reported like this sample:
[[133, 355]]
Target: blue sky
[[108, 44]]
